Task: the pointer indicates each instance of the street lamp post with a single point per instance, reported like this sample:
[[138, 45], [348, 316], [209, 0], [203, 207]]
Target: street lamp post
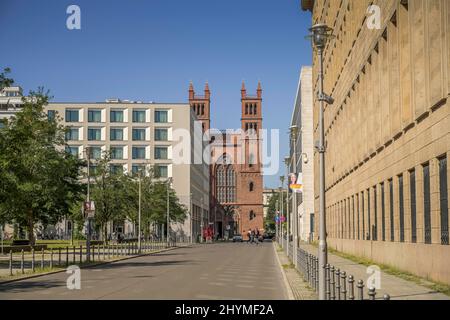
[[294, 133], [282, 214], [139, 212], [191, 219], [320, 33], [169, 181], [287, 160], [277, 217], [88, 237], [202, 220]]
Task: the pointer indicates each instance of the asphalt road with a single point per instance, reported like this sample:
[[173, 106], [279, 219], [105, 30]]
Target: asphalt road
[[216, 271]]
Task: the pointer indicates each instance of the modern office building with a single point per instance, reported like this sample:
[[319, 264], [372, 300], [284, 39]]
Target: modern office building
[[138, 135], [10, 101], [388, 131], [302, 118]]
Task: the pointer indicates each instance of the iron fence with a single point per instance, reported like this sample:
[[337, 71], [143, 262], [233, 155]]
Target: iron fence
[[41, 260], [339, 285]]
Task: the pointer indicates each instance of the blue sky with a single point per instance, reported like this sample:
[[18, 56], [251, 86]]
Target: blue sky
[[150, 50]]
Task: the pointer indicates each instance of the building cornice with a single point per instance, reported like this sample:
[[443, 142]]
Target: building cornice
[[307, 5]]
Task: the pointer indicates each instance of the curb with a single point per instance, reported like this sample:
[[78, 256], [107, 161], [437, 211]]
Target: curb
[[290, 293], [95, 264]]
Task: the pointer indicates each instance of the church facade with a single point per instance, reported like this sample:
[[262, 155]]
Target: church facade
[[236, 179]]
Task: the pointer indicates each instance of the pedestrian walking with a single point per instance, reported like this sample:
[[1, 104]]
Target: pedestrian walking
[[249, 234]]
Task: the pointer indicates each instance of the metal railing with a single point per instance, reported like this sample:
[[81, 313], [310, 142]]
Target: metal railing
[[28, 262], [339, 285]]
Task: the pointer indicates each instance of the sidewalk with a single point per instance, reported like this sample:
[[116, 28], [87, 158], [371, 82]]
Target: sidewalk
[[299, 287], [397, 288]]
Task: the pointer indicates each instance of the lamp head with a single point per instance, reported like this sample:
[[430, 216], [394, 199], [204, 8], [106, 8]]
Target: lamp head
[[320, 34]]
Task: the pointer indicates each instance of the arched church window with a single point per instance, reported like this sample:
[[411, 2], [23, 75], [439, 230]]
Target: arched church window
[[251, 186]]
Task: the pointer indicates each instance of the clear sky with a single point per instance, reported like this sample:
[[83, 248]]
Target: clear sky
[[150, 50]]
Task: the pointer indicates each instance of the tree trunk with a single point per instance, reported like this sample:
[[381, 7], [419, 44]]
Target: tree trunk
[[30, 219], [105, 233]]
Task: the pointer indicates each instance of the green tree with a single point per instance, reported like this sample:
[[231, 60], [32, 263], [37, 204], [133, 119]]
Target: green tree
[[4, 80], [269, 222], [39, 179], [108, 191]]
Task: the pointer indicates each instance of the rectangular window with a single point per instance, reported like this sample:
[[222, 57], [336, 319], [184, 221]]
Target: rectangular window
[[138, 134], [136, 168], [383, 214], [138, 152], [72, 115], [427, 203], [412, 187], [51, 114], [311, 223], [161, 116], [93, 170], [116, 134], [117, 153], [363, 217], [95, 153], [72, 134], [116, 115], [161, 153], [391, 208], [116, 169], [94, 134], [359, 217], [139, 116], [402, 208], [353, 215], [94, 116], [161, 134], [368, 215], [375, 215], [72, 150], [162, 171], [443, 189]]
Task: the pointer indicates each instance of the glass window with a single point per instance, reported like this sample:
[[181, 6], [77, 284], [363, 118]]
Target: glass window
[[117, 153], [161, 116], [443, 200], [138, 134], [94, 134], [136, 168], [138, 152], [94, 116], [412, 187], [51, 114], [161, 153], [391, 207], [375, 215], [138, 115], [93, 170], [116, 134], [116, 116], [427, 203], [162, 171], [96, 152], [72, 150], [161, 134], [72, 134], [72, 115], [402, 208], [116, 169], [383, 214]]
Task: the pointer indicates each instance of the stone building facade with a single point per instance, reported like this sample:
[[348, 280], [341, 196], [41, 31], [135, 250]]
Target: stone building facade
[[236, 181], [387, 134]]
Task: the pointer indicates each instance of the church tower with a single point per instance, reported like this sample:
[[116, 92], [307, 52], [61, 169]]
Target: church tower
[[201, 105]]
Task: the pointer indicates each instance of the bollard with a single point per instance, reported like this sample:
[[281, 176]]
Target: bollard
[[59, 256], [344, 285], [372, 293], [386, 297], [333, 284], [22, 260], [32, 259], [360, 286], [327, 281], [351, 287], [81, 253], [10, 263], [338, 284], [42, 259], [51, 258], [67, 256]]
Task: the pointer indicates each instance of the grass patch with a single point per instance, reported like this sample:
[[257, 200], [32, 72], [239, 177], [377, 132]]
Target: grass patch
[[288, 266], [430, 284]]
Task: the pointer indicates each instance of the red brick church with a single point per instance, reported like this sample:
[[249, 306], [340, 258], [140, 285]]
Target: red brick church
[[236, 181]]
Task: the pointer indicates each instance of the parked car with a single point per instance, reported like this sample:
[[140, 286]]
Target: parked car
[[238, 238]]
